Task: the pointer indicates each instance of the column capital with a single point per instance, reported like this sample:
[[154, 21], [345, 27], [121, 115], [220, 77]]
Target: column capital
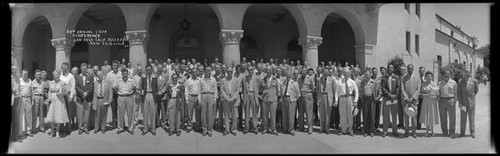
[[62, 43], [310, 42], [230, 36], [136, 37]]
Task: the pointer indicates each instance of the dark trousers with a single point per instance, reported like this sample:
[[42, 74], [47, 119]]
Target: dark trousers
[[463, 120], [278, 115], [16, 120], [174, 112], [324, 113], [391, 110], [101, 115], [357, 118], [378, 106], [240, 113], [419, 107], [159, 113], [368, 113], [335, 117], [218, 110], [83, 113], [315, 107], [284, 113], [447, 110], [400, 114], [164, 112], [114, 108], [71, 109]]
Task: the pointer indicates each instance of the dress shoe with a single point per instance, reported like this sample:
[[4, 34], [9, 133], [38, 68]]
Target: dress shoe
[[352, 134], [384, 134], [179, 133], [453, 136], [210, 134], [473, 135], [256, 132], [86, 131], [292, 133], [395, 134], [264, 132], [80, 132], [310, 132], [414, 135], [326, 132], [364, 135], [461, 135], [245, 132], [131, 131], [233, 133], [120, 131], [144, 132], [95, 131], [153, 132], [371, 134], [170, 133], [203, 134], [103, 131]]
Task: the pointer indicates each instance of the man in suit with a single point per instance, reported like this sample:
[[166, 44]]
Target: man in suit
[[84, 89], [467, 90], [270, 98], [290, 95], [421, 72], [410, 89], [230, 88], [390, 92], [324, 101], [163, 97], [102, 98], [174, 93], [139, 100], [149, 90], [250, 98]]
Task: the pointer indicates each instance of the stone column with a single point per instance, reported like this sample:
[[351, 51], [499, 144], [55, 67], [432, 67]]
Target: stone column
[[231, 45], [310, 50], [137, 42], [17, 56], [63, 50], [364, 55]]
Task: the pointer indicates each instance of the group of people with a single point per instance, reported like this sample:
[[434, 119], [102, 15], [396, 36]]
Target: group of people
[[253, 96]]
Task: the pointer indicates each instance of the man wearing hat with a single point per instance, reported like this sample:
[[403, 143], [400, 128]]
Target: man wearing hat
[[410, 89]]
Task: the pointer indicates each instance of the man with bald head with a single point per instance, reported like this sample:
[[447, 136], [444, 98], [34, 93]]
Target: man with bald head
[[346, 97]]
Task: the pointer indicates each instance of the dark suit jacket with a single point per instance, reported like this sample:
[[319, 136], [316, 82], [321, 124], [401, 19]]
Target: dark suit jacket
[[154, 86], [89, 87], [179, 94], [108, 93], [396, 86]]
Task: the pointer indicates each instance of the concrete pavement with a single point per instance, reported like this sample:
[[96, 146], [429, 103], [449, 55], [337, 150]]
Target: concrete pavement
[[251, 143]]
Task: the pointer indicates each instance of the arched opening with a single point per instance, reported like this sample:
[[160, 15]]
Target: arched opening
[[338, 41], [169, 39], [249, 48], [109, 19], [294, 50], [38, 52], [275, 24]]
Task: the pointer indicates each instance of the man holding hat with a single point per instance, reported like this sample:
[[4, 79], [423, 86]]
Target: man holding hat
[[346, 97], [467, 90], [410, 89]]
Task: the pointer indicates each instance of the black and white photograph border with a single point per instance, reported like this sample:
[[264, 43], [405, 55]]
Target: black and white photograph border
[[351, 35]]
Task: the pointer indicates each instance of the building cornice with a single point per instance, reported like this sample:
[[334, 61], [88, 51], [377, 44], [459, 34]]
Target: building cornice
[[473, 50], [441, 17]]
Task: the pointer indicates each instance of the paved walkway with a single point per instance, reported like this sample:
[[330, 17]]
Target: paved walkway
[[250, 143]]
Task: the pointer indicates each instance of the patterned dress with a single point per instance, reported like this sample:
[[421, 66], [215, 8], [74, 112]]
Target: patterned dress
[[57, 110], [429, 108]]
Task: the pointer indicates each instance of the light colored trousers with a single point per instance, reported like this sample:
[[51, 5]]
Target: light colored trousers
[[345, 111], [125, 105], [149, 112], [207, 106]]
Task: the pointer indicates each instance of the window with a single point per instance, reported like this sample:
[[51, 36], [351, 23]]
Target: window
[[407, 7], [456, 61], [417, 9], [470, 67], [439, 61], [452, 33], [417, 45], [408, 41]]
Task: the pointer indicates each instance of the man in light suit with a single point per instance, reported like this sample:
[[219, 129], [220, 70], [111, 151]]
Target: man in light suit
[[325, 100], [102, 98], [230, 88], [410, 89], [250, 98], [163, 78], [467, 90], [291, 93], [84, 89], [346, 98], [270, 104]]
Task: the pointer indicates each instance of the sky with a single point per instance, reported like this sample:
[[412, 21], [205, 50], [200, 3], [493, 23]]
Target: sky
[[473, 18]]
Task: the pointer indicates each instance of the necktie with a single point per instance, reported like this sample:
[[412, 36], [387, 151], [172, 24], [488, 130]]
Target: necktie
[[286, 86], [346, 87], [390, 83], [83, 80], [324, 84], [100, 90]]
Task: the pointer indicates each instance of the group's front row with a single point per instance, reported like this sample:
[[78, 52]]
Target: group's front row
[[271, 96]]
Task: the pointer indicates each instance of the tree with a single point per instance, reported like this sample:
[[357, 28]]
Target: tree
[[486, 51], [397, 62], [475, 41]]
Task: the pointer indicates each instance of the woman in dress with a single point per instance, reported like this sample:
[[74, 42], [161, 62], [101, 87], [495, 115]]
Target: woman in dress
[[430, 92], [16, 122], [57, 114]]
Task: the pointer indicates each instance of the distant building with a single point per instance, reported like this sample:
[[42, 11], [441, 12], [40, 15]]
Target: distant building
[[364, 34]]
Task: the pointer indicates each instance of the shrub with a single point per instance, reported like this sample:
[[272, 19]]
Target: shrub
[[456, 71], [397, 62]]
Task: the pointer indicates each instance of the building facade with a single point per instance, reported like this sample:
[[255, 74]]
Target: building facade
[[364, 34]]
